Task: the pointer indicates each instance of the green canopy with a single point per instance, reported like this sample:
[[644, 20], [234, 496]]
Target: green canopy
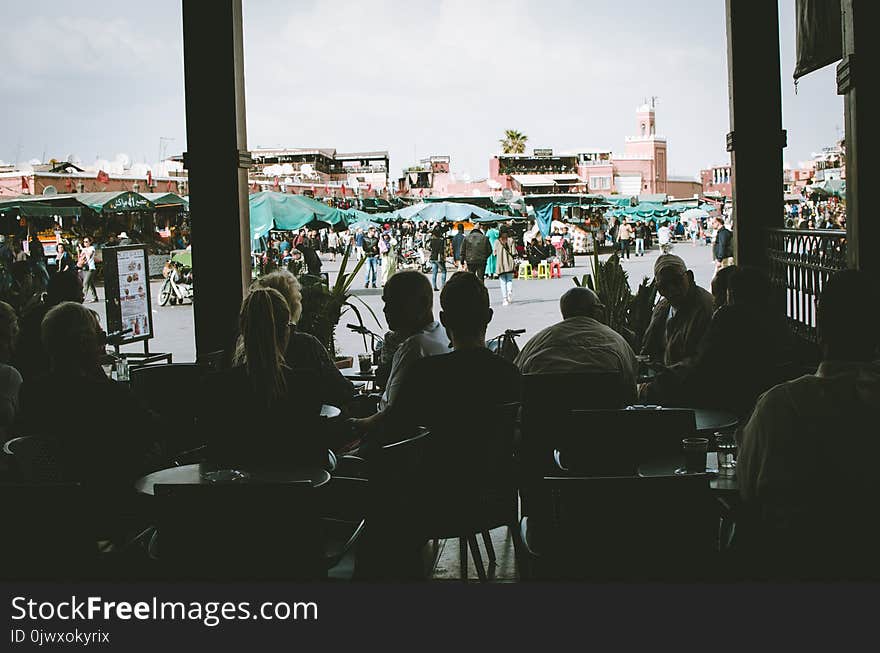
[[114, 202], [166, 199], [38, 209], [286, 212]]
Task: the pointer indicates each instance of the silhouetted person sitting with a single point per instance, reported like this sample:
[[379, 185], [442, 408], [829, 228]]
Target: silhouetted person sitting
[[805, 464], [111, 446], [456, 453], [580, 343], [740, 355], [30, 357], [681, 318], [305, 351], [237, 406]]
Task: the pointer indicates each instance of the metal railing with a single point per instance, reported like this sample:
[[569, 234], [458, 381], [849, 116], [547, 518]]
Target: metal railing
[[801, 262]]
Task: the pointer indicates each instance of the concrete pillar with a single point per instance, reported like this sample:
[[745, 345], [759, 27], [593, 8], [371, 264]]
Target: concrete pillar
[[855, 77], [756, 136], [217, 161]]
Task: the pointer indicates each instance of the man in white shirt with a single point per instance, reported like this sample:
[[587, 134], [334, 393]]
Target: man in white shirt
[[808, 452], [580, 343], [409, 309]]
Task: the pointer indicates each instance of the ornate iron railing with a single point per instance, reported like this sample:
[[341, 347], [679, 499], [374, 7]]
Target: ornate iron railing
[[800, 264]]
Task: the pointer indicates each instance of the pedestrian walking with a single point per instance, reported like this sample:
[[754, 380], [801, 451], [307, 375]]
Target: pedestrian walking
[[505, 264], [86, 264]]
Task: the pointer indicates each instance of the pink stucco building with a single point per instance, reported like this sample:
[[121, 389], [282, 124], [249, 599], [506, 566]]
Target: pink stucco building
[[639, 170]]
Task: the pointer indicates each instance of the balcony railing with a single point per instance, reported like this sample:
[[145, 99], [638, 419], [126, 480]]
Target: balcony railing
[[800, 264]]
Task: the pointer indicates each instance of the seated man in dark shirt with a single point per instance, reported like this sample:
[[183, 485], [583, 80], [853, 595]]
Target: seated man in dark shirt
[[458, 446]]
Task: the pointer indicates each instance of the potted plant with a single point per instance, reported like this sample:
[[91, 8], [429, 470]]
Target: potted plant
[[324, 305], [626, 313]]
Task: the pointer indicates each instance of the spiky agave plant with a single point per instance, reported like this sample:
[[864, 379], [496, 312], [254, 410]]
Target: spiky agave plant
[[611, 283]]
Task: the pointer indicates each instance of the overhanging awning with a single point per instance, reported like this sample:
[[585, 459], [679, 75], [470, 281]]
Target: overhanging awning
[[38, 209], [166, 199], [534, 180], [114, 202]]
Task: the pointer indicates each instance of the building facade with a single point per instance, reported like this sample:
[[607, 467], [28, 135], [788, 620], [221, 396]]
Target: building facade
[[322, 170]]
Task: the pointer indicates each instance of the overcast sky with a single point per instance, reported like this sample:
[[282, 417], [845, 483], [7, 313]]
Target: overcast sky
[[413, 77]]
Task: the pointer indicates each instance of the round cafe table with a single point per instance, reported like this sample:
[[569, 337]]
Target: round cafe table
[[193, 475], [355, 374], [667, 466]]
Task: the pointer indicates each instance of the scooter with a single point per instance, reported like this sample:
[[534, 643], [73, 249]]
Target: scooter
[[178, 285]]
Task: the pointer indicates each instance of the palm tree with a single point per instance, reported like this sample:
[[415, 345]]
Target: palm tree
[[513, 142]]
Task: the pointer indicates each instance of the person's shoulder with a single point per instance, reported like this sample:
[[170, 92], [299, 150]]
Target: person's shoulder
[[9, 376]]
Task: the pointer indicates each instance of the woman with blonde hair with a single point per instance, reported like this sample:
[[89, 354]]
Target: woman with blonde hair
[[304, 351], [238, 405]]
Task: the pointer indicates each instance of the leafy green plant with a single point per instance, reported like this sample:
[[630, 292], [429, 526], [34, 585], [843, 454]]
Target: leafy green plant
[[323, 305], [626, 313]]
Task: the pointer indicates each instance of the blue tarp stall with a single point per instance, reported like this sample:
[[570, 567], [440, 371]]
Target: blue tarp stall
[[544, 207], [285, 212], [443, 212]]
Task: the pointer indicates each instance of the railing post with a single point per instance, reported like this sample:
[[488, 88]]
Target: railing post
[[756, 136]]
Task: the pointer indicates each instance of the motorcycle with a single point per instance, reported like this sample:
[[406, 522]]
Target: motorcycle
[[178, 286]]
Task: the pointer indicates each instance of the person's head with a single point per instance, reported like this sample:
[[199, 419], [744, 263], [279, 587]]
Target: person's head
[[264, 322], [464, 308], [460, 228], [504, 234], [748, 286], [673, 279], [847, 317], [720, 284], [718, 222], [288, 285], [72, 337], [409, 301], [63, 287], [60, 249], [8, 331], [87, 242], [371, 232], [581, 302]]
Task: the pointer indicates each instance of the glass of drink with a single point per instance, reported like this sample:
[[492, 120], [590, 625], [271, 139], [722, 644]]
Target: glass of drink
[[695, 450], [365, 363], [726, 445]]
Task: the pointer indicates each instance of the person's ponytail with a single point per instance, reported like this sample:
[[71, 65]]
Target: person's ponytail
[[264, 328]]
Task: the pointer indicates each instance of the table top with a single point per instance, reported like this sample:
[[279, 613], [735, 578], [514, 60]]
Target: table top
[[330, 411], [355, 374], [710, 420], [667, 467], [193, 475]]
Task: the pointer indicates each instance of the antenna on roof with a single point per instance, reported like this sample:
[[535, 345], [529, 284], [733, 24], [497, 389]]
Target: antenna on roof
[[654, 99]]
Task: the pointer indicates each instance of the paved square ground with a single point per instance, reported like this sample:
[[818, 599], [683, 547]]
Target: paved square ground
[[535, 303]]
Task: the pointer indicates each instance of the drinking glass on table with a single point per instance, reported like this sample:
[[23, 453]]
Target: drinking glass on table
[[365, 363], [694, 450], [726, 445]]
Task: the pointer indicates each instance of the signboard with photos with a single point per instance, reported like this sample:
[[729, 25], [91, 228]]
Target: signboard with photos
[[127, 289]]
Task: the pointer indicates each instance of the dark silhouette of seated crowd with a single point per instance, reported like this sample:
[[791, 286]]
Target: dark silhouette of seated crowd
[[806, 441]]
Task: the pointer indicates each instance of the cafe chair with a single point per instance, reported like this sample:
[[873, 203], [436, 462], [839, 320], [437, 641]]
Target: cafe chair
[[615, 442], [460, 483], [169, 391], [625, 528], [547, 401], [48, 532], [244, 531], [35, 459]]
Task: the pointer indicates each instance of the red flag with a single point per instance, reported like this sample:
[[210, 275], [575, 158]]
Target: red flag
[[343, 190], [313, 191], [369, 187], [103, 177], [24, 183], [326, 189], [169, 186], [149, 179]]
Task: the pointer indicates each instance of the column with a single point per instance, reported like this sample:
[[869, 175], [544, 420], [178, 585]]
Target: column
[[854, 79], [756, 136], [216, 160]]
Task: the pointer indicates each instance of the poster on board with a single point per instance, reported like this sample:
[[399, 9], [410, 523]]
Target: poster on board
[[127, 290]]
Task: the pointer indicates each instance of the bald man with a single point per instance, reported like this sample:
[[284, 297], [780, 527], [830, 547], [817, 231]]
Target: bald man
[[681, 317], [580, 342]]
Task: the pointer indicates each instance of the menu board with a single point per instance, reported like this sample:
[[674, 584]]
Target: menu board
[[127, 290]]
